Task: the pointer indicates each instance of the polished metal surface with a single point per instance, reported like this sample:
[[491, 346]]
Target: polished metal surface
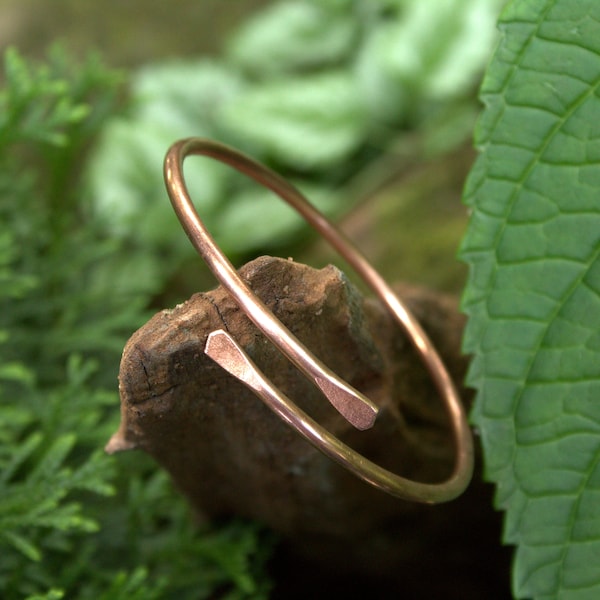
[[353, 405]]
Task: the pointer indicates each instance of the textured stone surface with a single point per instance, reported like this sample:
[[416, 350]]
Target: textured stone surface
[[231, 456]]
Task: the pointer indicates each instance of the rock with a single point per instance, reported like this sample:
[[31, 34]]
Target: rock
[[230, 455]]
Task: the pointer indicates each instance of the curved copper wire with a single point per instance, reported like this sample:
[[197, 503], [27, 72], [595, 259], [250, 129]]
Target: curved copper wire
[[355, 407]]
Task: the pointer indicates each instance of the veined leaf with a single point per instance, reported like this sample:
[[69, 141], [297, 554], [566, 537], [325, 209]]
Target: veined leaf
[[534, 292]]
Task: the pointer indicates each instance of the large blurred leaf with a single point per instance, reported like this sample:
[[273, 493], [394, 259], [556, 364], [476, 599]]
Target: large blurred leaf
[[170, 102], [534, 293], [240, 228], [306, 122], [424, 52], [295, 35]]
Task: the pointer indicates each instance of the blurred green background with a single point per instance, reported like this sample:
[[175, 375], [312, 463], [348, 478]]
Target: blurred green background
[[414, 68], [367, 105]]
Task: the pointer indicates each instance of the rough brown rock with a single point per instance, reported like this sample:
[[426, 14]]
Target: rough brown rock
[[231, 456]]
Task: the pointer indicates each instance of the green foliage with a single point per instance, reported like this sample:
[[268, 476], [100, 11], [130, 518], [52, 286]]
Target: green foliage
[[310, 123], [534, 293], [68, 301], [317, 89], [307, 36]]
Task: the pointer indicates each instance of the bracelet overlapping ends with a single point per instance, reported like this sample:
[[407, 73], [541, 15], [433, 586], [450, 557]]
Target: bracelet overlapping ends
[[354, 406]]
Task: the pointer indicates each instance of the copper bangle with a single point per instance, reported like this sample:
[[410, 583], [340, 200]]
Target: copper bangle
[[353, 405]]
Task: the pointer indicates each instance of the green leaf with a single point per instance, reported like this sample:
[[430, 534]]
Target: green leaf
[[533, 297], [311, 122], [133, 586], [53, 594], [422, 54], [170, 101], [54, 458], [307, 35], [283, 223], [36, 104], [15, 371], [19, 456], [22, 545]]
